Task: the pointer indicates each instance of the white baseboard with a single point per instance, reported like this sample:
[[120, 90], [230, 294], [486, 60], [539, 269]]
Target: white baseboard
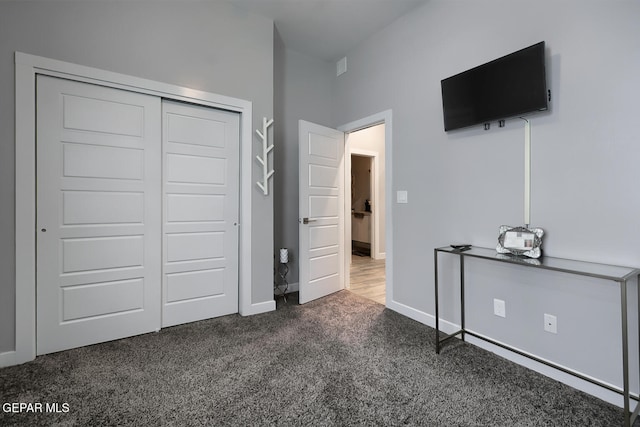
[[8, 358], [548, 371], [449, 328], [412, 313]]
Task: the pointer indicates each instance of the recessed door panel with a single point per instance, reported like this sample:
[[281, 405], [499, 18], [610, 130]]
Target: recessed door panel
[[85, 302], [97, 161], [102, 207], [196, 130], [323, 177], [191, 169], [323, 146], [195, 284], [323, 206], [102, 253], [98, 115], [323, 266], [321, 237], [194, 246], [195, 207]]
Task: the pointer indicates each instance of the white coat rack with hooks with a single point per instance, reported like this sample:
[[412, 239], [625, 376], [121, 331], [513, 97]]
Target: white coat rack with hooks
[[264, 160]]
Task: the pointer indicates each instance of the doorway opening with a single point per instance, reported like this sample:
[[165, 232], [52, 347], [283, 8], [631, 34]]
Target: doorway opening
[[325, 208], [366, 191]]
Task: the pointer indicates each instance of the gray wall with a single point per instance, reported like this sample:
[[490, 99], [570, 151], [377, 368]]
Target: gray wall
[[463, 185], [208, 46], [302, 91]]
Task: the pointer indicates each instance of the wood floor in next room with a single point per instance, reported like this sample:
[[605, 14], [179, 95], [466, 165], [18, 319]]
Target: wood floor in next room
[[368, 278]]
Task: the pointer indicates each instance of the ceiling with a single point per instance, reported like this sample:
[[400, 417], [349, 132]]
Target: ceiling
[[328, 29]]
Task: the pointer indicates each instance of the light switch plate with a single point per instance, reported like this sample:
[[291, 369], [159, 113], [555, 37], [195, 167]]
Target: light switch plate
[[499, 308], [402, 196], [341, 66]]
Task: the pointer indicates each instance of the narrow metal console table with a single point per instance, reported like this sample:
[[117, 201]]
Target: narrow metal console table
[[617, 274]]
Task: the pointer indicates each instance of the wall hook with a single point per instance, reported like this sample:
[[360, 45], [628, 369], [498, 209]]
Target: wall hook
[[264, 160]]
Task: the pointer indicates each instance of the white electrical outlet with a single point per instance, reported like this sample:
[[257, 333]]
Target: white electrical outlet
[[499, 308], [551, 323]]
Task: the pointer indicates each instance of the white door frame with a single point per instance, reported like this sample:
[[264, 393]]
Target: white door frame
[[375, 119], [27, 67]]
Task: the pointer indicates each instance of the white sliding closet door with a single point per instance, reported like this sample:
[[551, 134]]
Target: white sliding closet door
[[201, 202], [98, 214]]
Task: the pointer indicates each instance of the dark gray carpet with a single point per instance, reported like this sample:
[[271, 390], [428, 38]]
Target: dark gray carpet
[[342, 360]]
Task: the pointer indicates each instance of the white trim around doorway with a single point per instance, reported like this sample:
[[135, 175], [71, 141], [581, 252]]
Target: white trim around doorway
[[26, 69]]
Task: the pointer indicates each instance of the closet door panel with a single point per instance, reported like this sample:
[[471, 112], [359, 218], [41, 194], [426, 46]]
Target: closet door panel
[[200, 232], [98, 214]]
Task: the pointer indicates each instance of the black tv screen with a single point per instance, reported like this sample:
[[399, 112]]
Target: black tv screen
[[505, 87]]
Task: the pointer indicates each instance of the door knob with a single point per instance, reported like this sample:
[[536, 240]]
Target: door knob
[[307, 220]]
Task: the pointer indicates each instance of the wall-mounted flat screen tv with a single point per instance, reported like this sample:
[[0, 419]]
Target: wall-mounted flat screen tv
[[505, 87]]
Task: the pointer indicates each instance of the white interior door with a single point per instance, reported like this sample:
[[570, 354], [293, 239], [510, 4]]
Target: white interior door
[[201, 189], [321, 175], [98, 214]]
